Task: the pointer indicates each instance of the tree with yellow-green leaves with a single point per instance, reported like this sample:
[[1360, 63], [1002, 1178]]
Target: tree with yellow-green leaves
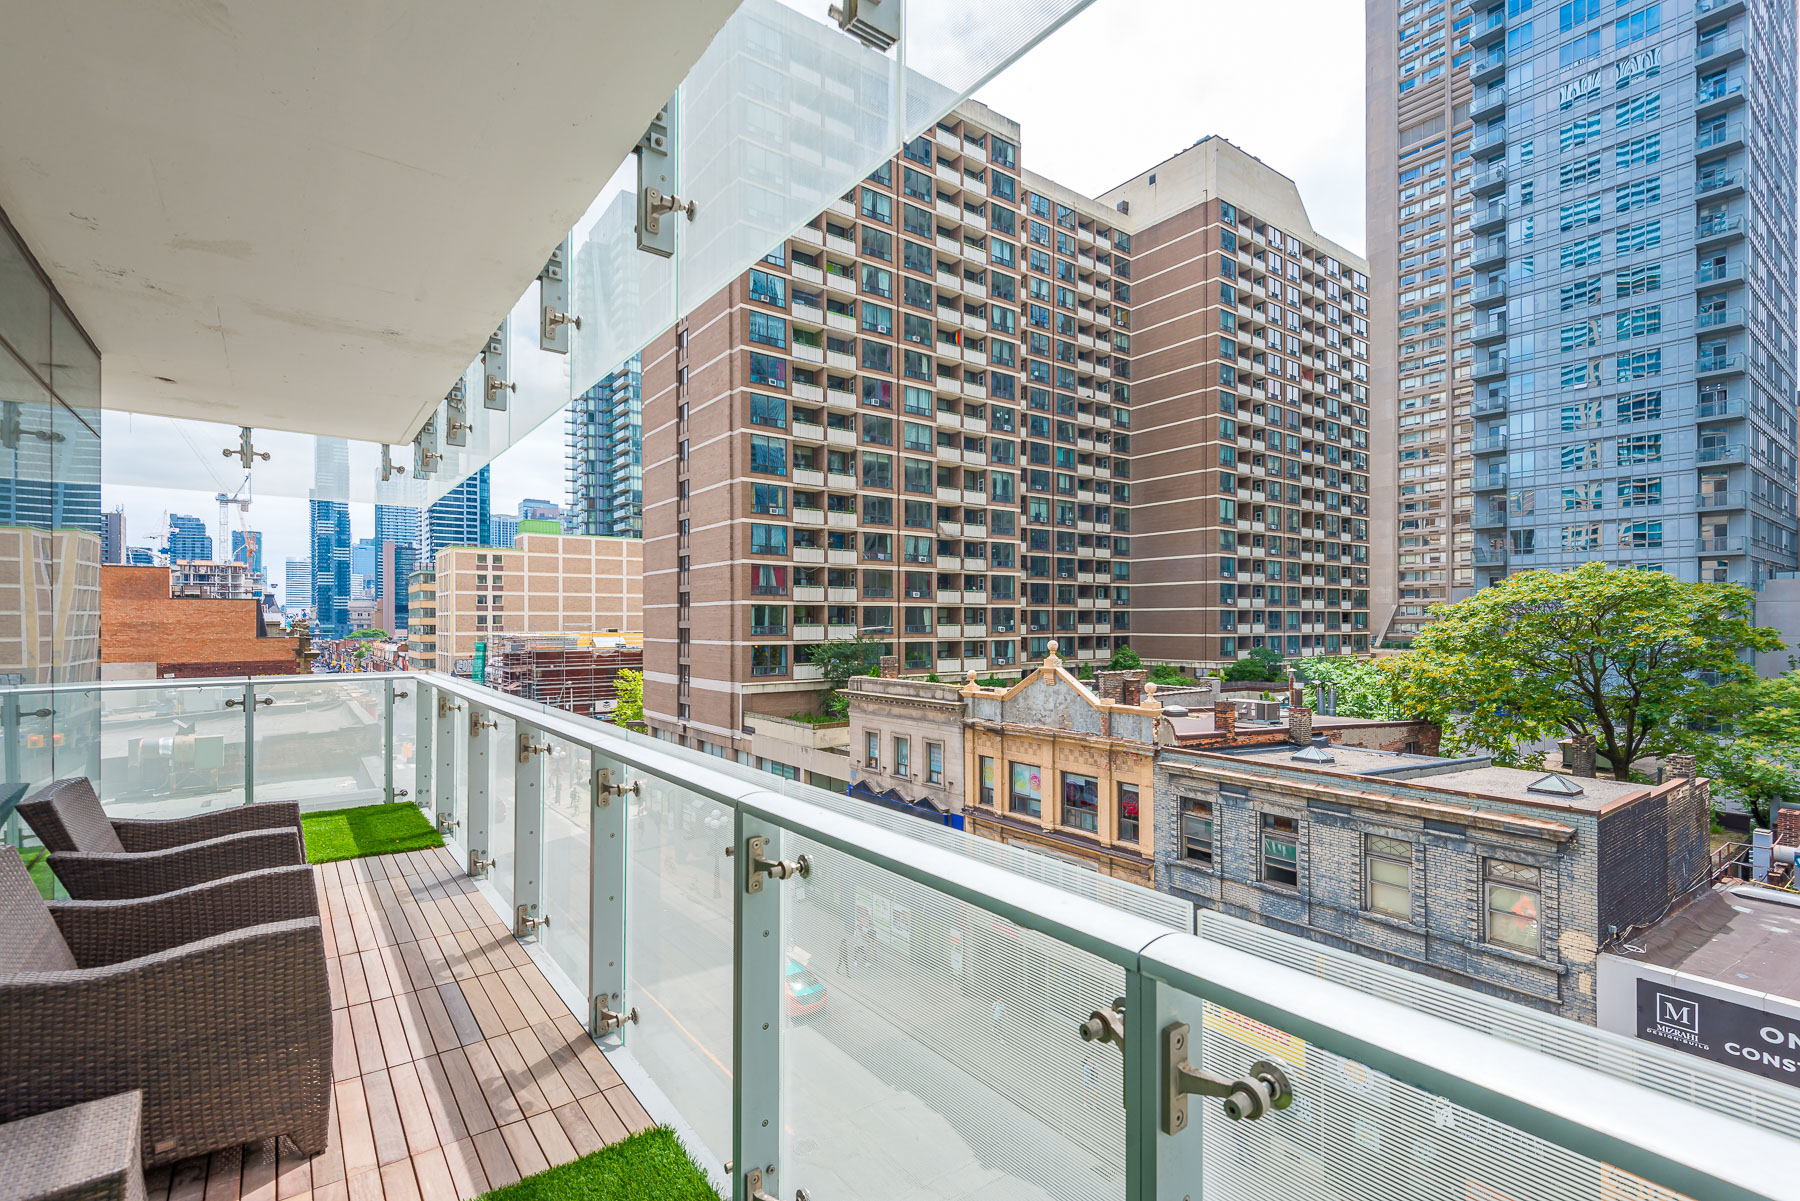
[[1755, 756], [1638, 659]]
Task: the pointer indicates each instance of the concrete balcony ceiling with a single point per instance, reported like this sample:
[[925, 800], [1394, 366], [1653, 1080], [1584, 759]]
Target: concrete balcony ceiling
[[311, 216]]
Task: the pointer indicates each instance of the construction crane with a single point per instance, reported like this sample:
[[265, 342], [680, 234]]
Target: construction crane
[[241, 498]]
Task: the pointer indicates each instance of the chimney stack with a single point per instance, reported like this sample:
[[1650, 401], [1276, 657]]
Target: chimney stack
[[890, 667], [1300, 725], [1582, 754], [1225, 720]]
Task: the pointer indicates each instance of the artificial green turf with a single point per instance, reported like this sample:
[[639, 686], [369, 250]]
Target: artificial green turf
[[369, 830], [651, 1166]]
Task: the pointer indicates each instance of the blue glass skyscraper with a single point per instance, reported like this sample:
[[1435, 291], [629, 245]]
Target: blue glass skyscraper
[[459, 517], [1632, 218], [188, 538], [330, 537], [605, 429]]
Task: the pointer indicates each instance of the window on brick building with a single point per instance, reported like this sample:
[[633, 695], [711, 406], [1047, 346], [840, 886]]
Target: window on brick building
[[1387, 870], [1280, 851], [1513, 894], [1196, 830]]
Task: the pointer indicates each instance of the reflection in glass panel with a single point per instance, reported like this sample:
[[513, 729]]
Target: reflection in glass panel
[[567, 829], [915, 1020], [320, 741], [678, 951]]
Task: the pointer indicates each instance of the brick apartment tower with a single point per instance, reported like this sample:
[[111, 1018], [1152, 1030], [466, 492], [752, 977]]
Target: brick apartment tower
[[1251, 508], [915, 418]]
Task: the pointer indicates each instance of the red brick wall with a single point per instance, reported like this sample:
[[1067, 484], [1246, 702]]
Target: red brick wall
[[1787, 827], [188, 638]]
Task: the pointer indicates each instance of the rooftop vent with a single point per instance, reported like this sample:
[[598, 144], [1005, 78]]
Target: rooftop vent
[[1554, 785], [1313, 754]]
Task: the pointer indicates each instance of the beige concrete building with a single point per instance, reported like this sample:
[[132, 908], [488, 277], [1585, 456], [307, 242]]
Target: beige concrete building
[[906, 738], [546, 584], [1424, 208], [421, 628]]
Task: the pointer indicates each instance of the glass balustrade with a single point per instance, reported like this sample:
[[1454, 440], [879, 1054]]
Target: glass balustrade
[[851, 1002]]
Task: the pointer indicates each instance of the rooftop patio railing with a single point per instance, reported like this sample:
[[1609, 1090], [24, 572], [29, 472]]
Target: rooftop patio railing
[[826, 996]]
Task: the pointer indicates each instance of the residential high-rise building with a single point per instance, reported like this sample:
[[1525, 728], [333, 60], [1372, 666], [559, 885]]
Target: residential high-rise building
[[459, 517], [296, 587], [247, 548], [112, 536], [916, 419], [365, 568], [398, 524], [140, 556], [1246, 445], [503, 529], [534, 509], [188, 538], [392, 593], [330, 538], [1627, 209], [605, 427]]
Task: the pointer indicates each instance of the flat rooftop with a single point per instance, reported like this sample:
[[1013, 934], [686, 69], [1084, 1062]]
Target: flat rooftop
[[1475, 777], [1742, 934]]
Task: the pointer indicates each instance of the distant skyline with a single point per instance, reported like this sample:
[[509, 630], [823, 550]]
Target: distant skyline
[[1077, 136]]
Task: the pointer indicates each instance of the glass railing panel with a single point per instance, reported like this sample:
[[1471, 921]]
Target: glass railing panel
[[1765, 1104], [567, 832], [171, 751], [405, 748], [678, 951], [1159, 907], [913, 1021], [320, 741], [1353, 1133], [502, 845]]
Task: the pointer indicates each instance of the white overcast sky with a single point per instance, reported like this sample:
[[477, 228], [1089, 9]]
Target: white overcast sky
[[1120, 87]]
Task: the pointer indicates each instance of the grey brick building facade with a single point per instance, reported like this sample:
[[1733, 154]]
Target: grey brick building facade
[[1453, 868]]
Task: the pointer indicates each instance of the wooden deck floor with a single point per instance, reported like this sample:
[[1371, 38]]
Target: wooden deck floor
[[456, 1067]]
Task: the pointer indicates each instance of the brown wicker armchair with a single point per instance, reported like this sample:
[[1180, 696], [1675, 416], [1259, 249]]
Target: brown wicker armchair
[[98, 858], [212, 1000]]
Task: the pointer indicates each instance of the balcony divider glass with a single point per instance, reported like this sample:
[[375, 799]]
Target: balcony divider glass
[[863, 1005]]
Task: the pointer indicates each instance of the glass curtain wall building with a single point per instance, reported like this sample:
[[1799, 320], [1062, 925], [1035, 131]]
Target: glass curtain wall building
[[50, 536], [330, 538], [1420, 305], [459, 518], [1634, 389], [605, 428]]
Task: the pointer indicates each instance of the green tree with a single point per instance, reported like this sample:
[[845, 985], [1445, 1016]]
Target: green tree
[[628, 698], [837, 662], [1167, 674], [1124, 659], [1271, 659], [1363, 688], [370, 633], [1634, 658], [1252, 667], [1754, 757]]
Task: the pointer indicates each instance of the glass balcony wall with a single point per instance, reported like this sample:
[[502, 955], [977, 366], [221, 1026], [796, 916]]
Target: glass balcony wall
[[859, 1004]]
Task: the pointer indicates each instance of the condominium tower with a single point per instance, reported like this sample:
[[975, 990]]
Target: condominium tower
[[605, 431], [1605, 253], [915, 420], [459, 517]]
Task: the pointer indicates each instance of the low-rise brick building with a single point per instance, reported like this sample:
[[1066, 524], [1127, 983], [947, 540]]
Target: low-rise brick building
[[906, 738], [1508, 882], [149, 634]]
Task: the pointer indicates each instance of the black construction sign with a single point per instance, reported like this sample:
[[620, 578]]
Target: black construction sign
[[1722, 1031]]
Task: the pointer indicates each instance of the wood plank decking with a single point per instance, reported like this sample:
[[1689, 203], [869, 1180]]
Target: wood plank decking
[[456, 1067]]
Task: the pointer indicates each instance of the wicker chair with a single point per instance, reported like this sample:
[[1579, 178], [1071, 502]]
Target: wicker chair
[[97, 858], [212, 1000]]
